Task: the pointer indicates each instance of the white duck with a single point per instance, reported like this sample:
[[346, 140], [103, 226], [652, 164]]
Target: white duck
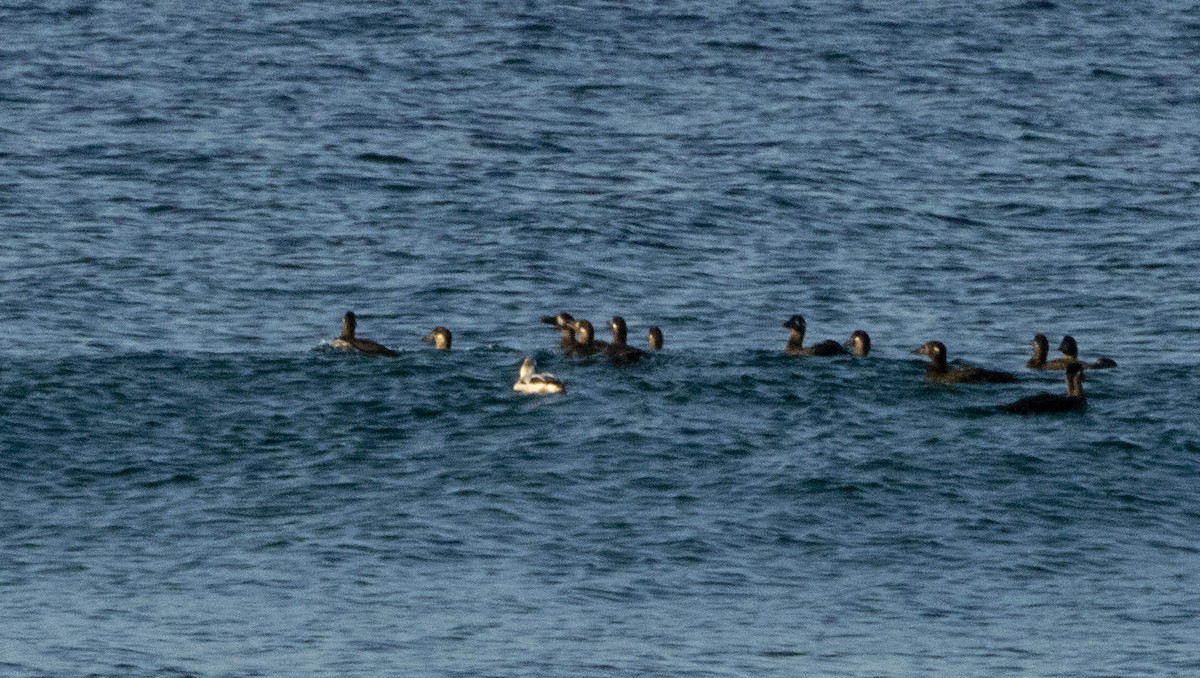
[[530, 382]]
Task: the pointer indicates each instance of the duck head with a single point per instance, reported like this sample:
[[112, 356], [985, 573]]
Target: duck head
[[526, 369], [560, 320], [860, 343], [655, 337], [1041, 347], [1069, 347], [584, 332], [936, 351], [620, 330], [440, 337]]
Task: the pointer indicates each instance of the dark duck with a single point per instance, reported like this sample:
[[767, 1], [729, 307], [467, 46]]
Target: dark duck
[[586, 343], [351, 343], [1053, 403], [860, 343], [654, 337], [619, 352], [795, 345], [939, 371], [565, 323]]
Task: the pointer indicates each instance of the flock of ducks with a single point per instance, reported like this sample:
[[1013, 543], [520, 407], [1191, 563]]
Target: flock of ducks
[[578, 340]]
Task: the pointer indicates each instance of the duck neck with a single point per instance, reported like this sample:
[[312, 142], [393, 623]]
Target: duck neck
[[860, 346], [1075, 387], [568, 338], [1039, 356], [796, 340]]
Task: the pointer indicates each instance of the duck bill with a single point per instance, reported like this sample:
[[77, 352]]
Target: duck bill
[[921, 350], [550, 320], [428, 338]]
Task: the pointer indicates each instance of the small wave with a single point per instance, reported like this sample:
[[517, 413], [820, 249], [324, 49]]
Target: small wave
[[177, 479], [384, 159], [738, 45], [1034, 6]]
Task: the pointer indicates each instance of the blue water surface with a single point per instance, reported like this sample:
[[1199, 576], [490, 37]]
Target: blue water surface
[[192, 483]]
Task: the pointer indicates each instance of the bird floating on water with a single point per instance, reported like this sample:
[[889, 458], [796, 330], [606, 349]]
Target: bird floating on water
[[348, 342], [529, 381], [1053, 403]]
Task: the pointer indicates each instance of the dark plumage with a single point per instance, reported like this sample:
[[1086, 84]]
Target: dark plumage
[[619, 352], [1052, 403], [939, 371], [795, 345], [860, 343], [654, 337], [348, 341], [585, 340], [565, 322]]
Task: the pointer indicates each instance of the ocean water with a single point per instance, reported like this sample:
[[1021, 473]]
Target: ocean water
[[192, 483]]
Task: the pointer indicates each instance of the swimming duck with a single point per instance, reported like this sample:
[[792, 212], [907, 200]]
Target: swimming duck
[[586, 343], [351, 343], [565, 322], [440, 337], [1041, 348], [530, 382], [860, 343], [795, 345], [961, 374], [1071, 354], [619, 352], [654, 337], [1050, 403]]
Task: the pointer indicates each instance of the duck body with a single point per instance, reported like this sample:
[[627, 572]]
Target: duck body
[[795, 345], [968, 374], [529, 381], [939, 371], [1046, 403], [1052, 403], [1056, 364], [348, 342]]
